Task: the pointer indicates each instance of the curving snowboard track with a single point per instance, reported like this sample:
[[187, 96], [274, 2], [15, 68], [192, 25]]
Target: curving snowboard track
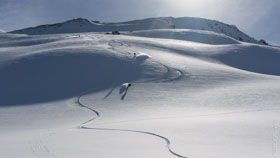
[[171, 74], [97, 115]]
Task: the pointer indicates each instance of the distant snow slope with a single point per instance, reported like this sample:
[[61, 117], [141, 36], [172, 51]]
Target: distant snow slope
[[68, 96], [200, 36], [84, 25]]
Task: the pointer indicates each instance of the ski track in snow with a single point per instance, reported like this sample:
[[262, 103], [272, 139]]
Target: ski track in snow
[[171, 74], [97, 115], [167, 78], [83, 106], [40, 149]]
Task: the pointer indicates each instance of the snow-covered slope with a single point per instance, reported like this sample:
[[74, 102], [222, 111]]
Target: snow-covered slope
[[84, 25], [96, 95], [200, 36]]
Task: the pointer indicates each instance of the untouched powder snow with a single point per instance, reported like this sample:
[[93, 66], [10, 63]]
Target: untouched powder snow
[[142, 94], [206, 37]]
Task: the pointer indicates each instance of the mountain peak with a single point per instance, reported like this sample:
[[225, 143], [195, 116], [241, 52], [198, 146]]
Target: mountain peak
[[84, 25], [79, 20]]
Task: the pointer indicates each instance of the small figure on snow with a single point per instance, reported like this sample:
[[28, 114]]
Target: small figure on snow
[[124, 89]]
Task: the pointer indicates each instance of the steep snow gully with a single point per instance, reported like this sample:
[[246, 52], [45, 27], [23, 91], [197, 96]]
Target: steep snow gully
[[168, 77]]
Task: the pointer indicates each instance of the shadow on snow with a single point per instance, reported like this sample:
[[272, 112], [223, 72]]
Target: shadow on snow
[[43, 78]]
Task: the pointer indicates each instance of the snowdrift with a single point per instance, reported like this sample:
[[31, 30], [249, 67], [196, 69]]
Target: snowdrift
[[141, 57]]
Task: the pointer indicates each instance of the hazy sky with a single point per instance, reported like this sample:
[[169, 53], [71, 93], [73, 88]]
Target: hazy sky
[[258, 18]]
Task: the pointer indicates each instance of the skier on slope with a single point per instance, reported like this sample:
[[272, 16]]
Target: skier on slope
[[125, 87]]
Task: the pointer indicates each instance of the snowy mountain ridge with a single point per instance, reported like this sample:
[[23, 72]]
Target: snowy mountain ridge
[[84, 25]]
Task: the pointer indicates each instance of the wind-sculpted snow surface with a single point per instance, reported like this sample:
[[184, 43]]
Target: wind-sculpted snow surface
[[146, 94]]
